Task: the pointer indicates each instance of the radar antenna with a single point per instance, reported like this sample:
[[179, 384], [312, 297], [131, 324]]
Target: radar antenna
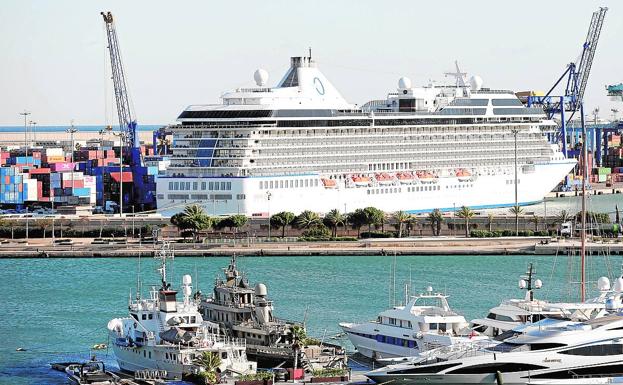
[[162, 256], [458, 75]]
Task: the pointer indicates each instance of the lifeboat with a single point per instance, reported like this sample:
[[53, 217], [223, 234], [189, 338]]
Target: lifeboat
[[426, 177], [405, 177], [329, 183], [463, 175], [360, 181], [384, 178]]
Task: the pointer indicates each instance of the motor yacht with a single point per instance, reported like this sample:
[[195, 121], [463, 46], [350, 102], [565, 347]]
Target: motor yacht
[[425, 322], [548, 350]]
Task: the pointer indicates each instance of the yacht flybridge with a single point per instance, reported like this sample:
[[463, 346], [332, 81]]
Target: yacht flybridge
[[425, 322], [165, 334], [415, 150]]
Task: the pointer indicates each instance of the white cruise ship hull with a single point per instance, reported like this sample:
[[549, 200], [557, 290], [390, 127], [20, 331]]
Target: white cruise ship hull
[[249, 195]]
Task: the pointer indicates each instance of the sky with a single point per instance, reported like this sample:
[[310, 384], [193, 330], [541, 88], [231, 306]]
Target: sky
[[176, 53]]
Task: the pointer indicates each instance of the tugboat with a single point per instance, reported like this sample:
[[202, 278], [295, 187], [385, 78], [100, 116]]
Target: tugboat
[[244, 311], [164, 334]]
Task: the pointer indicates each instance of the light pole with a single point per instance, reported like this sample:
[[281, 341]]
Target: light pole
[[72, 130], [25, 115], [33, 127], [453, 219], [515, 132], [268, 195]]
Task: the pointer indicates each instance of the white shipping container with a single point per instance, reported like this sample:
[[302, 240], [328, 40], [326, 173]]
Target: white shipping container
[[54, 152], [32, 189]]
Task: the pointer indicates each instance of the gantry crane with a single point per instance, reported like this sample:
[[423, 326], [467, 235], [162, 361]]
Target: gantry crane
[[576, 75], [143, 194]]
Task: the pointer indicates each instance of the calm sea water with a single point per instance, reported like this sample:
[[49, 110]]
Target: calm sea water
[[58, 308]]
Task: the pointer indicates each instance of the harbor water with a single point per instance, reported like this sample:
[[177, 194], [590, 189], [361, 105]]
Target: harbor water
[[56, 309]]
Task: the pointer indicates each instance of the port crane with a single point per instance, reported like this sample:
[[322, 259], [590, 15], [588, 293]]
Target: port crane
[[143, 195], [576, 78]]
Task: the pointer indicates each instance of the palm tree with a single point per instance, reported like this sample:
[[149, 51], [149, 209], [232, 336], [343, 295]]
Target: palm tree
[[373, 216], [307, 219], [516, 210], [563, 217], [357, 219], [465, 213], [209, 362], [282, 220], [435, 218], [490, 222], [401, 218], [192, 219], [535, 219], [333, 219]]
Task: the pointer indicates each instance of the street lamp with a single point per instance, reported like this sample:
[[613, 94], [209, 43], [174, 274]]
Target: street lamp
[[33, 128], [72, 130], [268, 195]]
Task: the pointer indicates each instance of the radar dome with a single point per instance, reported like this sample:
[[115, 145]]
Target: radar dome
[[404, 83], [429, 289], [260, 290], [187, 279], [538, 284], [475, 82], [522, 284], [261, 77], [603, 284], [618, 285]]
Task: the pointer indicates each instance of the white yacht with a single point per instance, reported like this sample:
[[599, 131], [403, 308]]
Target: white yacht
[[545, 351], [515, 312], [266, 149], [165, 334], [425, 322]]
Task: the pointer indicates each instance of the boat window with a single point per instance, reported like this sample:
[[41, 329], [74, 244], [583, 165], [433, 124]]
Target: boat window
[[493, 367], [425, 369], [601, 370], [224, 355], [143, 316], [596, 350], [433, 326]]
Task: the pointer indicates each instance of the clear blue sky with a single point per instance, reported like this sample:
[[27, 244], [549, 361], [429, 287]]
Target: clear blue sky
[[187, 52]]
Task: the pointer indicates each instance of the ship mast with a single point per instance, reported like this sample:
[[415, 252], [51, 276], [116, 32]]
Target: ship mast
[[583, 229], [162, 255]]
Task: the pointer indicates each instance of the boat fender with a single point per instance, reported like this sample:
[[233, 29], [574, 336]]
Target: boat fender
[[498, 378]]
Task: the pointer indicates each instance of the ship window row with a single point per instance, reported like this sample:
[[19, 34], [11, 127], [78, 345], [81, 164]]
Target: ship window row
[[459, 186], [512, 181], [147, 316], [288, 183], [215, 186], [405, 343]]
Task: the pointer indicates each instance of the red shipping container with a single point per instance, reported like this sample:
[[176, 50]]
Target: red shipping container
[[7, 179], [77, 183], [20, 187], [43, 170], [110, 153]]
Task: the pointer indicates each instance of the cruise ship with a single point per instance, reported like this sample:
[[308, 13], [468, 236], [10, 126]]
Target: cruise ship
[[301, 146]]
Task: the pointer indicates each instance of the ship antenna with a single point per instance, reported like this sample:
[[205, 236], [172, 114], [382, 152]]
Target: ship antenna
[[138, 278], [162, 255], [310, 56]]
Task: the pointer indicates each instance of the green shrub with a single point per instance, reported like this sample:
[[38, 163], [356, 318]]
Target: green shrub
[[329, 372], [378, 234], [318, 231], [508, 233]]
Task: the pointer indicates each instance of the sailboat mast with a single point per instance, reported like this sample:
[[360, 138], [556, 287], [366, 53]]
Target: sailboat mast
[[583, 229]]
